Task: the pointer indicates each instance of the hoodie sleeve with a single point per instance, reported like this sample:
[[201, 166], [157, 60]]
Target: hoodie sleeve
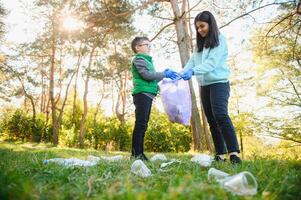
[[141, 66]]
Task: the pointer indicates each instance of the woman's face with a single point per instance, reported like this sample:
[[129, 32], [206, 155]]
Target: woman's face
[[202, 28]]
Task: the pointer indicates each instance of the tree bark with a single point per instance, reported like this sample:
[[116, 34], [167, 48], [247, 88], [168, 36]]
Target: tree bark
[[75, 84], [183, 41], [55, 138], [85, 111]]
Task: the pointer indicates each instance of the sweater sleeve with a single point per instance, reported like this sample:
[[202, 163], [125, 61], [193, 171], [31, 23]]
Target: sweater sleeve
[[189, 64], [141, 66], [215, 56]]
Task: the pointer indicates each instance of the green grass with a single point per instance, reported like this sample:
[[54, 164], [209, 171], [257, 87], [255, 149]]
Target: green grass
[[24, 176]]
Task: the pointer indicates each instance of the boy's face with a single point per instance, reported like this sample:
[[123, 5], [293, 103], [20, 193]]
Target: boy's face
[[144, 47]]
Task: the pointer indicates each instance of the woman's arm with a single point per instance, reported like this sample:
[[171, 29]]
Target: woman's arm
[[216, 56]]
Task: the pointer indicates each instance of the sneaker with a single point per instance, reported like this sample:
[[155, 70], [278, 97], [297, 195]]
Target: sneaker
[[217, 158], [234, 159]]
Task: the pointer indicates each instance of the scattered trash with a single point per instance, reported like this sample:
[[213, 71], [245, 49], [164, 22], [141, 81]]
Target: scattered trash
[[158, 157], [112, 158], [140, 169], [70, 162], [215, 174], [202, 159], [243, 183], [93, 158], [169, 163]]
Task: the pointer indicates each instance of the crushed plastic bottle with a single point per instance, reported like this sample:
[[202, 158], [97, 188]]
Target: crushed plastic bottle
[[243, 183], [215, 174], [160, 157], [140, 169], [202, 159]]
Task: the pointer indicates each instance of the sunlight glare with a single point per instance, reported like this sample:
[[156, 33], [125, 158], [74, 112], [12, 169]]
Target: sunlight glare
[[72, 24]]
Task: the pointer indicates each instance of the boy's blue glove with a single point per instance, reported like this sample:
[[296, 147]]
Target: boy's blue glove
[[170, 74], [187, 75]]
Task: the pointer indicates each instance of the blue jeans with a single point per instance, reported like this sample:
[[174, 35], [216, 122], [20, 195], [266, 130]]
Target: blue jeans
[[214, 99], [143, 105]]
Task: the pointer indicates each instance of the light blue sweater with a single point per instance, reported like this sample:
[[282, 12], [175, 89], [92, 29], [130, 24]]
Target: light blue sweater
[[210, 65]]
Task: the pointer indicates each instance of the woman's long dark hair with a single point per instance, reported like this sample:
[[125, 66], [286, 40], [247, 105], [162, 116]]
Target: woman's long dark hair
[[211, 40]]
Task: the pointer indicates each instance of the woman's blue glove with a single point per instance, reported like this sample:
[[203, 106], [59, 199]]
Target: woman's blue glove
[[170, 74], [187, 75]]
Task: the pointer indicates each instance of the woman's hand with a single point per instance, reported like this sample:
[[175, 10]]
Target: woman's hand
[[187, 75]]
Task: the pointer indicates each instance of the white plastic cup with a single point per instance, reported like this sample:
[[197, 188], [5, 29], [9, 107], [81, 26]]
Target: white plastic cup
[[243, 183], [215, 174], [139, 168]]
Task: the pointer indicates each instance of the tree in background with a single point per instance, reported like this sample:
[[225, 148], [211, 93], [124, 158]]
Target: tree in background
[[277, 49]]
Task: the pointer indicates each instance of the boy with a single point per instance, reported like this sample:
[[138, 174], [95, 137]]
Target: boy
[[145, 80]]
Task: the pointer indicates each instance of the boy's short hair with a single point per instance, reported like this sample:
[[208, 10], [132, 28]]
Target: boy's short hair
[[136, 41]]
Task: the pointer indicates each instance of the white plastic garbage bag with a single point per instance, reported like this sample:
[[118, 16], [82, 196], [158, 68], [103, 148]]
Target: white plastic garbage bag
[[175, 95], [112, 158], [202, 159], [69, 162], [140, 169], [158, 157], [93, 158]]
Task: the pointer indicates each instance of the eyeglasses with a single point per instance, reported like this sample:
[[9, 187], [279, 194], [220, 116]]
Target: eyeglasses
[[148, 45]]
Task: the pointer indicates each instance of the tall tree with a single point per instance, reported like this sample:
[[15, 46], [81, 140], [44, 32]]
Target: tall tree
[[112, 28], [277, 50]]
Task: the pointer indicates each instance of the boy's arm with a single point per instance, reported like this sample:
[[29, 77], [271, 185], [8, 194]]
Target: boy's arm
[[141, 66]]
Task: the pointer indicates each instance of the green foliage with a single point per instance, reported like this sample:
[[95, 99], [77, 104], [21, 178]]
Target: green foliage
[[164, 136], [18, 125], [104, 133], [244, 123], [72, 118], [110, 131], [277, 50], [69, 137]]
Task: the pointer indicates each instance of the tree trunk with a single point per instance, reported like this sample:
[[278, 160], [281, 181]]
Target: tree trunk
[[183, 45], [61, 112], [55, 138], [84, 115], [85, 111], [206, 131], [121, 100], [75, 85], [43, 90]]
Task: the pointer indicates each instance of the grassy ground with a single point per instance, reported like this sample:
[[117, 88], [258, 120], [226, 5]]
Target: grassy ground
[[24, 176]]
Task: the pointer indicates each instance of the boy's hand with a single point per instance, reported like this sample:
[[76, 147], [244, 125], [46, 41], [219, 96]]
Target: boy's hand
[[171, 74], [187, 75]]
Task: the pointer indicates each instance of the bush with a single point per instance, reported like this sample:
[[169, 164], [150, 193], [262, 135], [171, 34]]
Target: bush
[[109, 130], [69, 137], [18, 125], [164, 136]]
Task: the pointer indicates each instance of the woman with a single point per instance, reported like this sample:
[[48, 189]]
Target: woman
[[209, 66]]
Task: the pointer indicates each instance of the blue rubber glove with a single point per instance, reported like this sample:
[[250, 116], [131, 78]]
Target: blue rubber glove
[[187, 75], [171, 74]]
